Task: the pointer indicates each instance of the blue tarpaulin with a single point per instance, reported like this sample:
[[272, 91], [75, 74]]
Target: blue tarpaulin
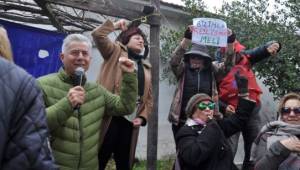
[[36, 50]]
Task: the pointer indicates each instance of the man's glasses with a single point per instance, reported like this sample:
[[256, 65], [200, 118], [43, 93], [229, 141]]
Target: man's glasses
[[287, 110], [77, 53], [203, 106]]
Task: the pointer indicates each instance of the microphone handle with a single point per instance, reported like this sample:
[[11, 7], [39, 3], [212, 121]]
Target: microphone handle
[[77, 107]]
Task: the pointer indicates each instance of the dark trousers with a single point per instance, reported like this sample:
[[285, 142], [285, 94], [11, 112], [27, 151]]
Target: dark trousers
[[117, 142], [175, 129], [249, 133]]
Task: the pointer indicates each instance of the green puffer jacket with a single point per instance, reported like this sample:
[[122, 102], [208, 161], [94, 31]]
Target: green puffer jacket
[[75, 136]]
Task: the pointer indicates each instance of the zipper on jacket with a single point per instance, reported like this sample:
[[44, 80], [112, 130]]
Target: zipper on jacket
[[80, 138]]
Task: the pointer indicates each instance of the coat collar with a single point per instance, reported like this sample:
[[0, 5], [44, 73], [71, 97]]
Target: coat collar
[[66, 78]]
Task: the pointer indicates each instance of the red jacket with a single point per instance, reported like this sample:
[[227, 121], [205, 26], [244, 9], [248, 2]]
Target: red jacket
[[228, 91]]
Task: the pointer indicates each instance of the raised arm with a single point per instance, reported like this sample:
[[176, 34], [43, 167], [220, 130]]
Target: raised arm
[[260, 53], [235, 122], [125, 103], [100, 36]]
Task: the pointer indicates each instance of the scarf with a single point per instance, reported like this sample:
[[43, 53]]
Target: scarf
[[140, 70], [278, 130]]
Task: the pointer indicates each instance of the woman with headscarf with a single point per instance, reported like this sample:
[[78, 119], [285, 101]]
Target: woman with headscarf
[[277, 147]]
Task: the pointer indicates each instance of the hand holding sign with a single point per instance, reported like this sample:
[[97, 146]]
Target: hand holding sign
[[188, 32], [209, 31]]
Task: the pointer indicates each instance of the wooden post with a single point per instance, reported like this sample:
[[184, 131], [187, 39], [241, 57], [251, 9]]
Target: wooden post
[[154, 21]]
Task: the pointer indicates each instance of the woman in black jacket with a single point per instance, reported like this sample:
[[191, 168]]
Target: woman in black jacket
[[202, 140]]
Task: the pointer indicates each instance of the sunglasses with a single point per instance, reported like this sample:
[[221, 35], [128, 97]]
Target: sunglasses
[[203, 106], [287, 110]]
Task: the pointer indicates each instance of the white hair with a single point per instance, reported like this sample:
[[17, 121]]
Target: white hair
[[75, 37]]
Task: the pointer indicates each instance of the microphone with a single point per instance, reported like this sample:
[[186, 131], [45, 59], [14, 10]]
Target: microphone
[[78, 78]]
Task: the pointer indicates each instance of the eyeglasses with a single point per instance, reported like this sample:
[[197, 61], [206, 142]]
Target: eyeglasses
[[203, 106], [287, 110], [77, 53]]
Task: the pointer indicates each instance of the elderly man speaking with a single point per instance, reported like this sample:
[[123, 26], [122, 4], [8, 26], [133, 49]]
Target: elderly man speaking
[[75, 110]]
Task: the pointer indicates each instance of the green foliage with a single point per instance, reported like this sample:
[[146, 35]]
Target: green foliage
[[164, 164], [255, 25], [161, 165], [169, 40]]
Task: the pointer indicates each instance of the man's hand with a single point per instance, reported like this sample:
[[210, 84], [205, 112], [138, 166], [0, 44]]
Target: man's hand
[[230, 36], [292, 144], [126, 65], [274, 48], [121, 24], [76, 96], [137, 122]]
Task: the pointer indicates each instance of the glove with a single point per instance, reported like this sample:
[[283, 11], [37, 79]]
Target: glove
[[231, 38], [188, 33], [242, 83]]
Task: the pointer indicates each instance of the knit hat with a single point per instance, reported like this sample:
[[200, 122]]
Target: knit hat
[[198, 50], [197, 98], [124, 36]]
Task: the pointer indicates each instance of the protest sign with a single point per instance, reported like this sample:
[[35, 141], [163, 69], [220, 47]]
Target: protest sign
[[209, 31]]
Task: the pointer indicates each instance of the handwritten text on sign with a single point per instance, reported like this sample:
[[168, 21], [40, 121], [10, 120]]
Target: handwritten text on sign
[[210, 31]]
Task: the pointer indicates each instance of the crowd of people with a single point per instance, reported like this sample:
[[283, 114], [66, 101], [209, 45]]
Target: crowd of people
[[63, 121]]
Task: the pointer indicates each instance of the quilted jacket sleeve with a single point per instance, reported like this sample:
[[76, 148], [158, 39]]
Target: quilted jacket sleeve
[[57, 113], [125, 103]]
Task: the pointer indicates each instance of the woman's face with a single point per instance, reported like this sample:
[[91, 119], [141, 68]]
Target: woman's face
[[204, 111], [136, 43], [290, 113]]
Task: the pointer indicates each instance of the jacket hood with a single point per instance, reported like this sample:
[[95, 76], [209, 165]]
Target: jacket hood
[[198, 50]]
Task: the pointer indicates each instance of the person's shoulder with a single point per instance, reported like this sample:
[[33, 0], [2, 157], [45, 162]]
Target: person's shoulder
[[187, 130], [12, 71], [47, 78]]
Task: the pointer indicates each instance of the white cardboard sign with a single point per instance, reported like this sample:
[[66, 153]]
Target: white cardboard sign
[[209, 31]]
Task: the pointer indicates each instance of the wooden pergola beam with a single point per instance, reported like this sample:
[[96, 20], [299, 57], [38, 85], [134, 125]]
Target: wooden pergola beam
[[7, 6], [114, 8], [22, 18], [48, 11]]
